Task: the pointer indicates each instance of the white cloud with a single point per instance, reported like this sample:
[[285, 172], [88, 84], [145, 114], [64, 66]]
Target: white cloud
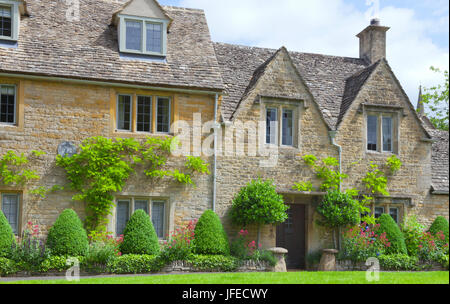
[[329, 27]]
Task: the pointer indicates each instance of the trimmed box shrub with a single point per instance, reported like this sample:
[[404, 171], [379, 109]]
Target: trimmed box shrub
[[393, 234], [398, 262], [440, 224], [6, 236], [210, 237], [213, 262], [139, 236], [67, 236]]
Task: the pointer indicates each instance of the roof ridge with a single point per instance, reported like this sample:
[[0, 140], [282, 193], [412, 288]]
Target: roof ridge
[[290, 51], [179, 8]]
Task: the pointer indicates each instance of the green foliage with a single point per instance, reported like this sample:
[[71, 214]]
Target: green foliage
[[57, 263], [213, 262], [261, 255], [103, 166], [258, 203], [436, 98], [412, 232], [440, 224], [7, 238], [13, 169], [398, 262], [210, 237], [303, 186], [375, 180], [313, 258], [331, 178], [394, 163], [139, 235], [133, 263], [67, 235], [98, 256], [393, 234], [338, 209], [7, 267]]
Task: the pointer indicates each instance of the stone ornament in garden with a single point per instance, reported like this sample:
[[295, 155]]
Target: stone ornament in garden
[[328, 260], [279, 254]]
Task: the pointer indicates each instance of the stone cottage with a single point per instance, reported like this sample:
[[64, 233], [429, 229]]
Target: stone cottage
[[135, 69]]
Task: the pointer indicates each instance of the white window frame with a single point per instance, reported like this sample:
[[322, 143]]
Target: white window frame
[[394, 132], [151, 113], [280, 107], [144, 21], [15, 104], [150, 200], [156, 114], [19, 201], [15, 19], [131, 113], [277, 125]]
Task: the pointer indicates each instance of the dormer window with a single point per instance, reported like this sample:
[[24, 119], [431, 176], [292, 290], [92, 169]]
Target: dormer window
[[10, 12], [142, 36], [142, 28], [5, 21]]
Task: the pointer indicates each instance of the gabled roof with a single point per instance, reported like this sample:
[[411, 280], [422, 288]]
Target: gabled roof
[[439, 161], [51, 45], [325, 76], [353, 86], [146, 8]]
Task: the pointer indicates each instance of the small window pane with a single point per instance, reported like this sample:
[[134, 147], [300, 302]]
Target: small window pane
[[124, 112], [387, 134], [144, 114], [271, 125], [158, 218], [123, 214], [372, 133], [379, 211], [5, 21], [154, 37], [10, 208], [394, 214], [287, 128], [163, 115], [133, 35], [141, 205], [7, 104]]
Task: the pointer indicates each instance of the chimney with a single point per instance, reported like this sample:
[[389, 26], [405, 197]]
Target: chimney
[[372, 42]]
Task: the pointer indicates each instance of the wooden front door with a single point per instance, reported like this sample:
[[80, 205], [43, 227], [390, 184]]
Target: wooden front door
[[291, 235]]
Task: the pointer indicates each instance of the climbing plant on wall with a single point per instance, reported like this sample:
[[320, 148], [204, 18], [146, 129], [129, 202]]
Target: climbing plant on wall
[[103, 166], [14, 171]]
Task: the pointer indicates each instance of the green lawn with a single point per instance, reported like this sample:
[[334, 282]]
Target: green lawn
[[263, 278]]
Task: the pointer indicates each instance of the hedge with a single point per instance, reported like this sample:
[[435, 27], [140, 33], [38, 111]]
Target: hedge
[[398, 262], [6, 236], [139, 235], [393, 234], [7, 267], [210, 237], [213, 262], [67, 236], [133, 263]]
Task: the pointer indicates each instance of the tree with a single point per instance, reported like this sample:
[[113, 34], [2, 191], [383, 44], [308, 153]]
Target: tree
[[436, 98], [258, 203], [338, 210]]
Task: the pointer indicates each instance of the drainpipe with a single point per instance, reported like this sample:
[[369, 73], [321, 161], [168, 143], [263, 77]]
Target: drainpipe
[[333, 142], [215, 152]]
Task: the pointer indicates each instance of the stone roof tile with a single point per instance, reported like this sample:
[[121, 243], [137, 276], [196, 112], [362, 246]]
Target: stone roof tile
[[50, 45]]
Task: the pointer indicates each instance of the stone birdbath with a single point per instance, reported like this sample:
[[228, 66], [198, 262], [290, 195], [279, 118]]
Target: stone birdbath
[[279, 254], [328, 260]]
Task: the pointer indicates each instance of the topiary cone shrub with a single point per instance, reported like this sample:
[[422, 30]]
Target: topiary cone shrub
[[6, 236], [209, 235], [67, 236], [440, 224], [393, 234], [139, 236]]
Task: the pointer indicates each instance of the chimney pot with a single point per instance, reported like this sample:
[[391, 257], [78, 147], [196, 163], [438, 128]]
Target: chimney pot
[[375, 21]]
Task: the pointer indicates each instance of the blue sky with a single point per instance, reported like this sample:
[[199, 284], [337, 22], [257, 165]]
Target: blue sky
[[418, 37]]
